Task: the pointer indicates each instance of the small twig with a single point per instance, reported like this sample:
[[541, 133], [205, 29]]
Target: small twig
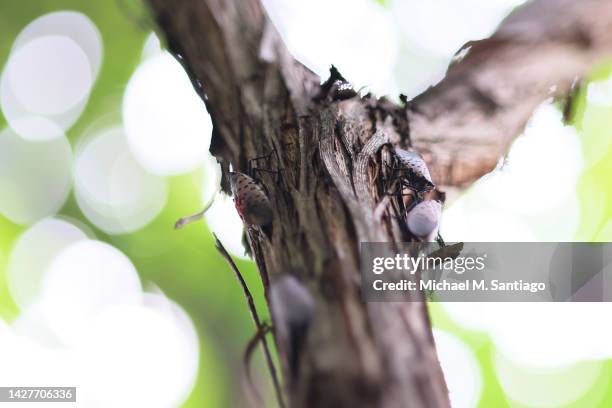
[[256, 319], [195, 217], [248, 354], [188, 220]]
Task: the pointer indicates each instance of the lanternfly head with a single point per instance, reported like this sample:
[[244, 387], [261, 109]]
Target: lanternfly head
[[250, 199], [424, 220]]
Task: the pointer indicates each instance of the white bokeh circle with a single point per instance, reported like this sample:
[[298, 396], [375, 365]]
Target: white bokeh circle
[[223, 219], [168, 129], [545, 179], [72, 24], [461, 370], [32, 126], [29, 364], [462, 222], [184, 325], [53, 64], [543, 334], [94, 328], [32, 254], [49, 75], [32, 324], [211, 179], [142, 354], [35, 177], [39, 96], [83, 280], [114, 192]]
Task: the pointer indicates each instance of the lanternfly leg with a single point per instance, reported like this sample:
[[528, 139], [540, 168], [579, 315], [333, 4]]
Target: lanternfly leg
[[253, 168]]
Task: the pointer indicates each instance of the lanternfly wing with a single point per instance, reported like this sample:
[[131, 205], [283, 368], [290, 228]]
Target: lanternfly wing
[[415, 162], [250, 199]]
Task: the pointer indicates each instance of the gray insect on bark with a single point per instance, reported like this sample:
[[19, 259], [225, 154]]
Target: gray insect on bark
[[293, 310], [414, 161], [424, 220]]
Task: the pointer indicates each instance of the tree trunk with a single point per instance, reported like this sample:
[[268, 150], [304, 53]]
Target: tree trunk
[[332, 150]]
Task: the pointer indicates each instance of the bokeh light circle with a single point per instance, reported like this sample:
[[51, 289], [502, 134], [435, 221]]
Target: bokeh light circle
[[541, 334], [142, 355], [546, 179], [33, 126], [211, 180], [114, 192], [72, 24], [27, 363], [460, 368], [32, 253], [49, 75], [32, 324], [223, 219], [46, 83], [35, 177], [166, 123], [82, 281]]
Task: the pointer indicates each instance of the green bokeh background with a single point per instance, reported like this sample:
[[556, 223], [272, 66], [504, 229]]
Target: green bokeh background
[[185, 264]]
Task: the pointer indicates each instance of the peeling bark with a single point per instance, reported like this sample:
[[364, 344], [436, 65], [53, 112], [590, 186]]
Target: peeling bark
[[332, 150]]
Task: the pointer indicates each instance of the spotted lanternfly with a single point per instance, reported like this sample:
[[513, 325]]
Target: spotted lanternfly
[[250, 199], [415, 162], [293, 309], [408, 177], [424, 220]]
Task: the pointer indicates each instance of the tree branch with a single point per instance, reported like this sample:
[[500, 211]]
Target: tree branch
[[333, 149], [466, 123]]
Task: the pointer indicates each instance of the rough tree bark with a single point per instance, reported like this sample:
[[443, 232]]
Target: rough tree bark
[[332, 153]]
